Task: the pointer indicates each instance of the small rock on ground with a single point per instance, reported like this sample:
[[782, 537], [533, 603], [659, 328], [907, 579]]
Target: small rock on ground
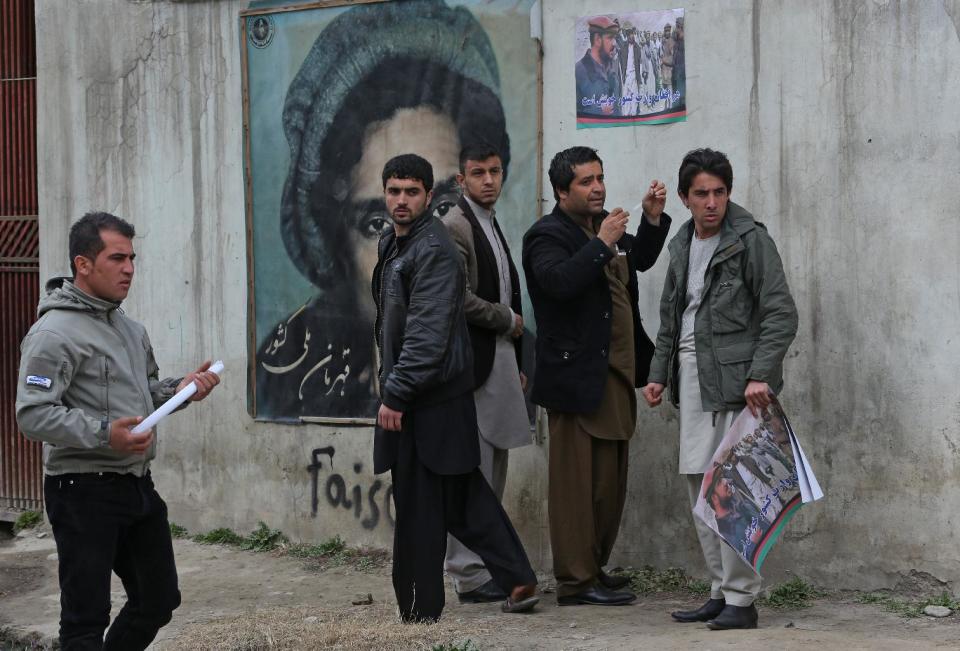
[[363, 600], [937, 611]]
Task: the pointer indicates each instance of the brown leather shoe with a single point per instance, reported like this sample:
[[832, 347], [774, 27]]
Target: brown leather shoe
[[487, 593]]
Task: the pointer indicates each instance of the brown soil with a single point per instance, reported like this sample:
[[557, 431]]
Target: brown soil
[[235, 600]]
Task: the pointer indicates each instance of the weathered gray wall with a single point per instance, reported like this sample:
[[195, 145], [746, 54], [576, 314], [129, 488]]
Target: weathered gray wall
[[841, 122], [141, 114]]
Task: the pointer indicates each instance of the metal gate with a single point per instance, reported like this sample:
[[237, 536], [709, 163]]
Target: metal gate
[[21, 470]]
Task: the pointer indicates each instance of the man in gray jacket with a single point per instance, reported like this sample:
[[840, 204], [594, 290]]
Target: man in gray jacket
[[492, 308], [87, 377], [726, 321]]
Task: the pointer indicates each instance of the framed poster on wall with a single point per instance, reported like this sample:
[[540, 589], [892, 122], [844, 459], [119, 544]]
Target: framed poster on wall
[[331, 91]]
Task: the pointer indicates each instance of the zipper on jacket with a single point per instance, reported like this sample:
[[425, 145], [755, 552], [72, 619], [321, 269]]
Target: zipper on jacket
[[391, 255], [106, 391]]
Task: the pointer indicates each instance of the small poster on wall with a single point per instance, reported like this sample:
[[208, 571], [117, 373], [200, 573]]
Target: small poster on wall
[[630, 69]]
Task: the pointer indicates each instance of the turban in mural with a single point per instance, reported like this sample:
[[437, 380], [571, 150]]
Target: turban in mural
[[368, 62]]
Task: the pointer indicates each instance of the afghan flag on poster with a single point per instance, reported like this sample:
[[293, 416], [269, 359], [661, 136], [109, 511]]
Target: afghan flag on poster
[[757, 481], [630, 69]]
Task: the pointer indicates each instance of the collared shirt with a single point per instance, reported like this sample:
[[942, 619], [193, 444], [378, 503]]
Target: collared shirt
[[500, 405], [486, 219]]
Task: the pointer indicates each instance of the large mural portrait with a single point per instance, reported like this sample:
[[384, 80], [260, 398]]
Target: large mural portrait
[[331, 93]]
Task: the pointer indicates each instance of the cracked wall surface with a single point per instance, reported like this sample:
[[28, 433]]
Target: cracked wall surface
[[840, 120], [148, 124]]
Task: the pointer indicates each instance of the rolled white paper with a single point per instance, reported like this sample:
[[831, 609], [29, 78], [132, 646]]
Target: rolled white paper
[[636, 208], [167, 408]]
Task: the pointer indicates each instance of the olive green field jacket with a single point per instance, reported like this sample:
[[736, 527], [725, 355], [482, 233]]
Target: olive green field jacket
[[746, 320]]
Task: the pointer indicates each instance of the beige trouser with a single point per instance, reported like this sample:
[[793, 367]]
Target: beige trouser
[[464, 567], [731, 578]]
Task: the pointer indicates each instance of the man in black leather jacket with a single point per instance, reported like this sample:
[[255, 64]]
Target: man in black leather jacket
[[426, 431]]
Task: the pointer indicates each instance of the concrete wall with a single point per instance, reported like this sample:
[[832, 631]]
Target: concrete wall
[[141, 115], [841, 123], [840, 120]]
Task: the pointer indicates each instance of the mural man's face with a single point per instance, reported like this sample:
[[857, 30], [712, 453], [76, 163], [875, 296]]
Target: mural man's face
[[608, 47], [422, 131]]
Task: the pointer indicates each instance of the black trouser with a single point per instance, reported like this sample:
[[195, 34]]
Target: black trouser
[[105, 522], [428, 506]]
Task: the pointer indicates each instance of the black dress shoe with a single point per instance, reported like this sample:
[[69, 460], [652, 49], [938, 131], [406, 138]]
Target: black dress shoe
[[487, 593], [613, 582], [704, 613], [597, 596], [734, 617]]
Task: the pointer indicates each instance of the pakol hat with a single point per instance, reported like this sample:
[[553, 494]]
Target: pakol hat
[[602, 25], [351, 46]]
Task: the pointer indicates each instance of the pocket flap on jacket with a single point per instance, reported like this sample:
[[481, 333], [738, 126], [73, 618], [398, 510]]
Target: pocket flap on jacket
[[735, 353]]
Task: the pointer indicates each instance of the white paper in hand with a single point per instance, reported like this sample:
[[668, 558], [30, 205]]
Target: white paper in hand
[[170, 405]]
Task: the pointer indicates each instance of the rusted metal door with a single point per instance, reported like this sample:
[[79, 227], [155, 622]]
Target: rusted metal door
[[21, 471]]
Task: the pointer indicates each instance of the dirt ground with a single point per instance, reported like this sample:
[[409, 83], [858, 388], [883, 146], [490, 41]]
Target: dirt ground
[[237, 600]]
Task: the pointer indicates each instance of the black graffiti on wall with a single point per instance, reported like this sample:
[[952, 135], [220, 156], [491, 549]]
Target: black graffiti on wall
[[378, 502]]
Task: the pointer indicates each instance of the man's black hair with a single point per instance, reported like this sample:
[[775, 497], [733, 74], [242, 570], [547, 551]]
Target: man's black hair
[[409, 166], [561, 167], [478, 151], [704, 160], [85, 237]]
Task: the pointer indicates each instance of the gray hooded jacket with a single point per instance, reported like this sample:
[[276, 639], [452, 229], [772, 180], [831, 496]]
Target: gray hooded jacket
[[84, 363]]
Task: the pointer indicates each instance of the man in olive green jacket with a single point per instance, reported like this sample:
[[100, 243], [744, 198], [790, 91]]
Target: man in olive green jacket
[[726, 321]]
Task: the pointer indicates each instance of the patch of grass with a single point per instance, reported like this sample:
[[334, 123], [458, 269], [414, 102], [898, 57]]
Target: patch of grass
[[177, 531], [649, 580], [793, 594], [330, 547], [335, 553], [908, 607], [466, 645], [221, 536], [264, 539], [698, 587], [27, 520]]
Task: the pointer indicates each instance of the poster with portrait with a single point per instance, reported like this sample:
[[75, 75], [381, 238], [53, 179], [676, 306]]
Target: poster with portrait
[[630, 69], [758, 479], [331, 92]]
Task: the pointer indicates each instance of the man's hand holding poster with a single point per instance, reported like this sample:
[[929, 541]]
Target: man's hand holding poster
[[753, 485]]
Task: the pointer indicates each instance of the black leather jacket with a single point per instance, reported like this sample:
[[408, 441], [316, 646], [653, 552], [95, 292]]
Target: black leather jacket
[[418, 285]]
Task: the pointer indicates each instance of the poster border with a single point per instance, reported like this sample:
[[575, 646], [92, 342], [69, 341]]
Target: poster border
[[243, 17]]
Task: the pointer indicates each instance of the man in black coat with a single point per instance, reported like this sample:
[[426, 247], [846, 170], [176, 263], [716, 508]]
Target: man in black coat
[[581, 269], [426, 431]]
